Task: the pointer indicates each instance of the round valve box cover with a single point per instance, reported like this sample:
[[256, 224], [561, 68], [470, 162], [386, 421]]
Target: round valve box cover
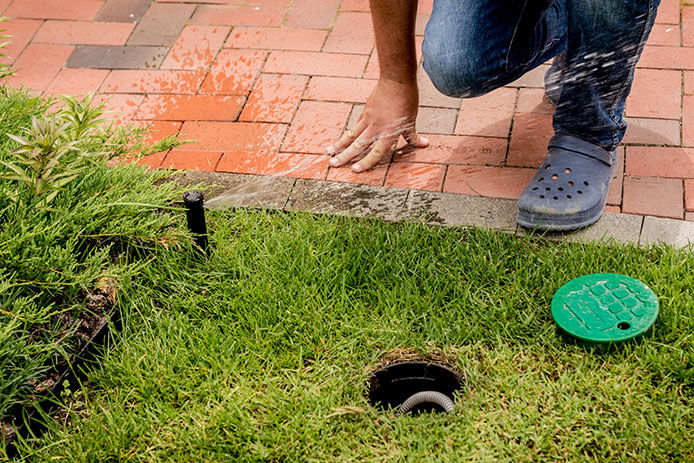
[[605, 308]]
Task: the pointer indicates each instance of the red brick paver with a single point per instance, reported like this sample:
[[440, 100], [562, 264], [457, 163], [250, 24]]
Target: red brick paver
[[656, 196], [264, 86], [315, 126], [193, 160], [53, 9], [234, 72], [416, 176], [75, 81], [272, 38], [190, 107], [156, 81], [84, 32], [275, 98], [196, 48]]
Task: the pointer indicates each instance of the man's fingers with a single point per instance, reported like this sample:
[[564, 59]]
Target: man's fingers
[[347, 138], [360, 145], [414, 139], [380, 150]]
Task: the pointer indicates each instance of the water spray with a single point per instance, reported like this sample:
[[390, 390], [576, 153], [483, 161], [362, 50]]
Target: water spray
[[195, 213]]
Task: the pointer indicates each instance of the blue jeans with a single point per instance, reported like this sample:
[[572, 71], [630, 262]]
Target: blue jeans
[[474, 46]]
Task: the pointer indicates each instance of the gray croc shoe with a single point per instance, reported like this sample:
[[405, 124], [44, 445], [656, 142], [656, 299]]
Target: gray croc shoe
[[554, 78], [569, 191]]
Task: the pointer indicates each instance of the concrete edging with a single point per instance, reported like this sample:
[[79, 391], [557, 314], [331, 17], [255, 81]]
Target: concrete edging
[[445, 209]]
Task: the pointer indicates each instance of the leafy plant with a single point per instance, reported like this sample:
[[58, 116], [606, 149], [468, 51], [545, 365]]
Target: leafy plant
[[39, 164], [53, 151], [5, 69], [50, 262], [84, 120]]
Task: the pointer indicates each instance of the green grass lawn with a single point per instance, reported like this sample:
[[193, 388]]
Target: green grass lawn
[[262, 352]]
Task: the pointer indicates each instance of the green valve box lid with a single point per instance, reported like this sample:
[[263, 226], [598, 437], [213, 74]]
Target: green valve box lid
[[604, 308]]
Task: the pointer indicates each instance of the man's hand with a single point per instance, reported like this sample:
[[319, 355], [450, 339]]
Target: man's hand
[[390, 111]]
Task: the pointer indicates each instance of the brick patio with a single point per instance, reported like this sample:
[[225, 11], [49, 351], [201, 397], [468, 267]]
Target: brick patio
[[265, 85]]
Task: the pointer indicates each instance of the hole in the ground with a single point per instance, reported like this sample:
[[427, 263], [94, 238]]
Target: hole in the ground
[[623, 326], [393, 385]]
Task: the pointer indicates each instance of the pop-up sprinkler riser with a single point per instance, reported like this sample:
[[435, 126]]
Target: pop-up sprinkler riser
[[195, 213]]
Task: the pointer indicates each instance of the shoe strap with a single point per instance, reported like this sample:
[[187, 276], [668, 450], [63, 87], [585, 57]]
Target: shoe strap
[[569, 143]]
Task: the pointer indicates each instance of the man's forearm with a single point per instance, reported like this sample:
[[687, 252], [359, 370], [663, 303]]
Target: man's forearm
[[394, 23]]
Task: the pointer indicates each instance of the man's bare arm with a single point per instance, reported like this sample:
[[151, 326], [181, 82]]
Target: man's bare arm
[[394, 23], [392, 108]]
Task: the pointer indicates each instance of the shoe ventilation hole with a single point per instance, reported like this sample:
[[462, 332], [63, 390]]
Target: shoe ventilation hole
[[567, 170], [579, 192], [548, 189], [547, 166], [556, 197], [571, 183], [535, 189], [555, 176], [542, 196], [560, 189], [585, 183], [542, 179], [568, 196]]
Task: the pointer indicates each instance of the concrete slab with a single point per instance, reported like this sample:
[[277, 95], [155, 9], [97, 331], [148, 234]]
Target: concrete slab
[[348, 199], [677, 233], [612, 228], [225, 191], [461, 210]]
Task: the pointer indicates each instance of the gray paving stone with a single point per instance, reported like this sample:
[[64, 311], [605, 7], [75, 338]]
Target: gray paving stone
[[612, 228], [115, 57], [125, 11], [348, 199], [237, 190], [161, 24], [678, 233], [462, 210]]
